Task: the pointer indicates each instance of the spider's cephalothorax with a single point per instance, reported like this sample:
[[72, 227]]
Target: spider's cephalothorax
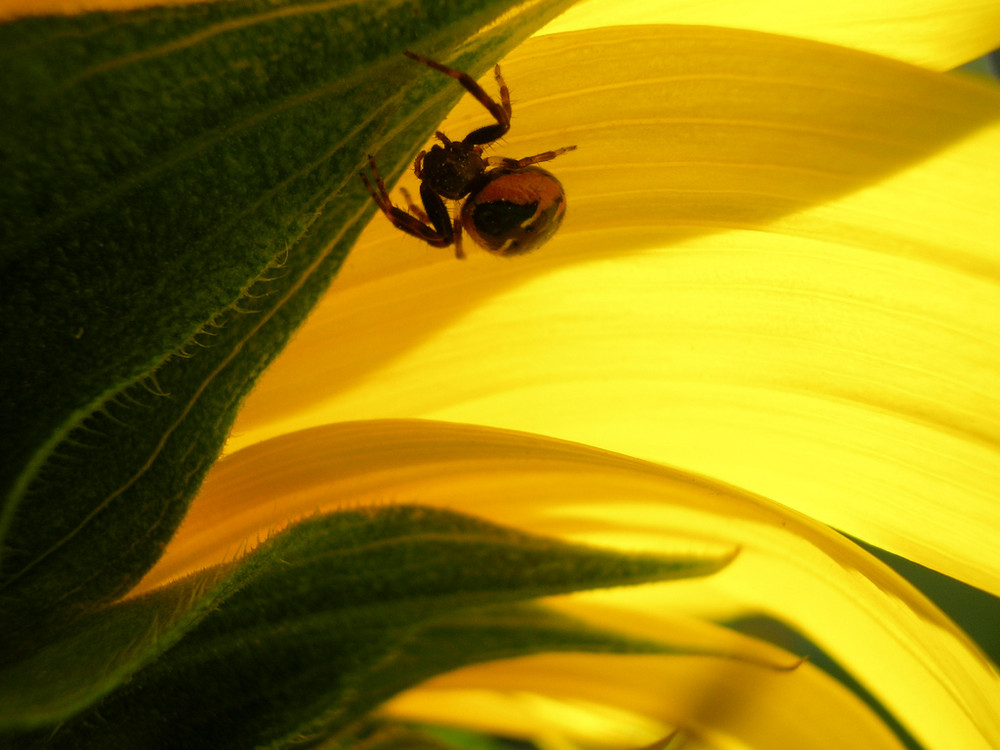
[[510, 207], [452, 169]]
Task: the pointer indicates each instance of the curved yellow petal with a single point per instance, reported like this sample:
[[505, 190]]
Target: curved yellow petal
[[937, 34], [626, 702], [779, 268], [887, 634]]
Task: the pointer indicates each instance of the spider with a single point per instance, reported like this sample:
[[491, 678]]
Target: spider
[[510, 206]]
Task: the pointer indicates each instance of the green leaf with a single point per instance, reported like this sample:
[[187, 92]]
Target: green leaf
[[313, 630], [392, 736], [180, 185], [403, 738]]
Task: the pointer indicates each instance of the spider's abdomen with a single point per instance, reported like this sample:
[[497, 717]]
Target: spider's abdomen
[[515, 211]]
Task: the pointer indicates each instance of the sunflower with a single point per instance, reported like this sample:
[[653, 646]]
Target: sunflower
[[763, 335]]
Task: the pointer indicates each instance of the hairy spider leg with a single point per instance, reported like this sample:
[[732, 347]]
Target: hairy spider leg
[[501, 161], [413, 208], [490, 133], [436, 236], [447, 227], [501, 112]]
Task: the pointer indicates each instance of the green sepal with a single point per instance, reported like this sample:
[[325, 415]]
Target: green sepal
[[313, 630], [401, 738]]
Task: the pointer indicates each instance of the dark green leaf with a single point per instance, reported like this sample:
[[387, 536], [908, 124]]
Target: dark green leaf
[[319, 626], [180, 185], [391, 736], [400, 738]]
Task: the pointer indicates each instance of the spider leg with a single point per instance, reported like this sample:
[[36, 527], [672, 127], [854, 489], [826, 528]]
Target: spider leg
[[449, 228], [500, 161], [490, 133], [501, 112], [437, 212], [459, 253], [413, 208], [399, 218]]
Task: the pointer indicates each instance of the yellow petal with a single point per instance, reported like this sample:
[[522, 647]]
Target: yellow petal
[[887, 634], [628, 702], [937, 34], [779, 268]]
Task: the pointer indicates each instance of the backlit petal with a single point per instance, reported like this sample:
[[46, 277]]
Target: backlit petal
[[614, 700], [779, 268], [891, 638], [938, 34]]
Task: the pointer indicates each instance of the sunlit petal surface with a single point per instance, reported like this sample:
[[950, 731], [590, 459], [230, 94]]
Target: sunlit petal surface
[[610, 701], [884, 631], [938, 34], [779, 268]]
